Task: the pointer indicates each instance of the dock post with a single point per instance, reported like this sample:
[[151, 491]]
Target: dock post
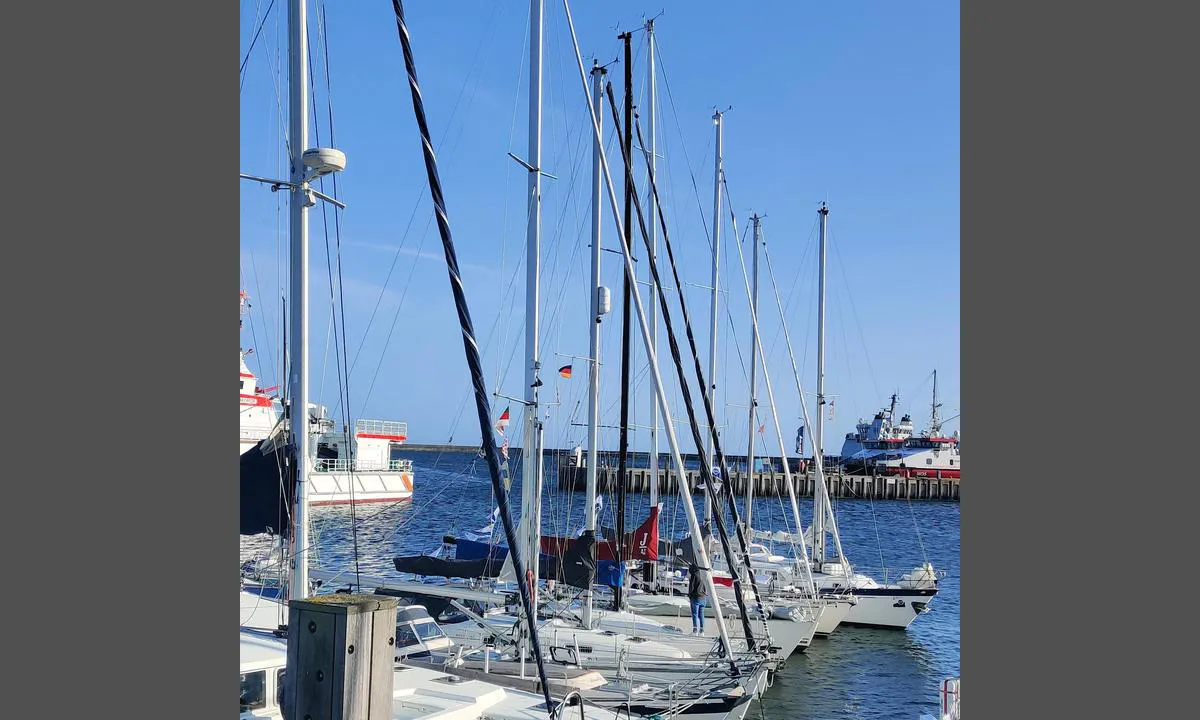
[[340, 658]]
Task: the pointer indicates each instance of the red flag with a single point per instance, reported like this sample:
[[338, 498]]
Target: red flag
[[565, 371], [761, 429], [502, 423]]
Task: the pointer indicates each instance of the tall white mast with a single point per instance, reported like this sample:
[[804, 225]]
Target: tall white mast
[[531, 450], [753, 378], [651, 203], [718, 119], [819, 495], [594, 350], [300, 201]]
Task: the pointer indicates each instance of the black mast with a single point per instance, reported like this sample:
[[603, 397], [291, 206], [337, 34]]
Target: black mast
[[490, 451], [705, 468], [622, 460]]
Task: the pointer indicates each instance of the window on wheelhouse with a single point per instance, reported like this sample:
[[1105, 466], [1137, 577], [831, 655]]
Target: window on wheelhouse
[[428, 630], [405, 635], [254, 690]]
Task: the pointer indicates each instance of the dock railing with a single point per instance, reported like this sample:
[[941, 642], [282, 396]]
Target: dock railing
[[333, 465]]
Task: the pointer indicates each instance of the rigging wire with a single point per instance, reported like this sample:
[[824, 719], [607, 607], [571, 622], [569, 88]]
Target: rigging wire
[[662, 68], [448, 151], [742, 264], [705, 469], [323, 29], [242, 69], [854, 312]]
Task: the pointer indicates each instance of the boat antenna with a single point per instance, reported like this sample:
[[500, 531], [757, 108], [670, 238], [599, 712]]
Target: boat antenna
[[471, 348], [935, 424]]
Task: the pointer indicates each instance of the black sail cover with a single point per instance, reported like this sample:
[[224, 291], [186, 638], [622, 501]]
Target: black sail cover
[[577, 567], [488, 567], [578, 563], [268, 484], [681, 551]]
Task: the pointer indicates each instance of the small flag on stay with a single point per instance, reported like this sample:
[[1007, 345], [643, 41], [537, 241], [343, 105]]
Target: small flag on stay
[[503, 421], [762, 429], [565, 371], [504, 448]]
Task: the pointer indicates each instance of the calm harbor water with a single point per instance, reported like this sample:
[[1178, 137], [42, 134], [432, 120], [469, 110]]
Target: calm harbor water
[[855, 673]]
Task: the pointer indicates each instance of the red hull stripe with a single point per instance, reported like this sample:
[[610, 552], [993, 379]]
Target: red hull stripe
[[256, 400], [922, 473], [357, 501], [249, 375], [377, 436]]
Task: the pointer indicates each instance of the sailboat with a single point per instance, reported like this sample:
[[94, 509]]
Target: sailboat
[[798, 587], [745, 672], [522, 562], [885, 605], [794, 620], [263, 651], [630, 611]]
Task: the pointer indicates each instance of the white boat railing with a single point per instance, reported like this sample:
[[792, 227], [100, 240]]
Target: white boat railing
[[381, 427], [343, 465]]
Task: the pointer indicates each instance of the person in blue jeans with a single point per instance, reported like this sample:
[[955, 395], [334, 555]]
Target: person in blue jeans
[[697, 592]]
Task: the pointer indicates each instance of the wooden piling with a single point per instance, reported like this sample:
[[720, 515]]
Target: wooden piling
[[340, 658]]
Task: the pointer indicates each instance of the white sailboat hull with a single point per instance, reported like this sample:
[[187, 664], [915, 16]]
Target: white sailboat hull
[[788, 635], [892, 608], [834, 614], [561, 641]]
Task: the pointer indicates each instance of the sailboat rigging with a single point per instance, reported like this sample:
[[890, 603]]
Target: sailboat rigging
[[706, 471], [893, 605], [705, 468]]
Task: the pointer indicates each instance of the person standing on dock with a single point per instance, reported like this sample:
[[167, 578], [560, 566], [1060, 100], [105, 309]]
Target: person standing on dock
[[697, 592]]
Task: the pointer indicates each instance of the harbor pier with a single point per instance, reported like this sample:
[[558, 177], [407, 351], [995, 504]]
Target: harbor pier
[[768, 478]]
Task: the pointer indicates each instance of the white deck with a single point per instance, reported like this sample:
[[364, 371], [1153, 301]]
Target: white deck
[[418, 693]]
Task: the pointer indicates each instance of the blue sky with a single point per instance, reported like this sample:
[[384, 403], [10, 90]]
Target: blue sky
[[856, 104]]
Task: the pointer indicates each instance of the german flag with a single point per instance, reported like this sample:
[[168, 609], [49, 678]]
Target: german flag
[[565, 371]]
